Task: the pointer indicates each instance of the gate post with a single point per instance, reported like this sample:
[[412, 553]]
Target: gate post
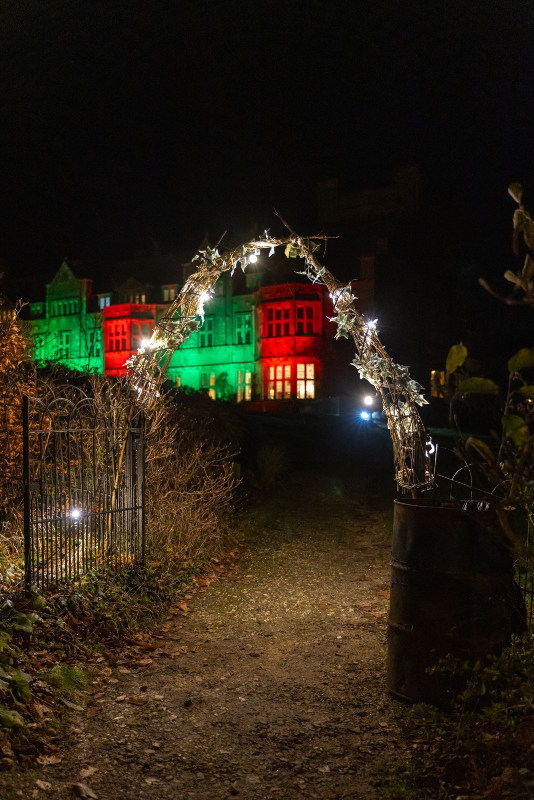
[[141, 483], [27, 494]]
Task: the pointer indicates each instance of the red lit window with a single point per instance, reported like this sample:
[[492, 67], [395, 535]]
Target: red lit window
[[309, 320], [286, 321], [300, 320]]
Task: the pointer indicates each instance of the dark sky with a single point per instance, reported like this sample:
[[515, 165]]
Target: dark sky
[[125, 121]]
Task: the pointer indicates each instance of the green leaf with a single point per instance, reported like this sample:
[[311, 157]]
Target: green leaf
[[515, 429], [20, 685], [24, 622], [10, 719], [455, 357], [39, 603], [477, 386], [482, 449], [527, 391], [522, 360], [291, 251]]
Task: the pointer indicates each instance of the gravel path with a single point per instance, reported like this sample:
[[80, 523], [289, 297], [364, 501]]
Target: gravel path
[[270, 685]]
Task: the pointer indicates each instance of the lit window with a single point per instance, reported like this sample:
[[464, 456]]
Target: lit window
[[178, 381], [165, 294], [143, 298], [287, 382], [270, 384], [171, 294], [248, 385], [212, 393], [305, 381], [279, 383], [437, 383]]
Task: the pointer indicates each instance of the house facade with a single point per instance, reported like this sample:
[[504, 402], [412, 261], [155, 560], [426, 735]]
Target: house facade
[[256, 342], [67, 327]]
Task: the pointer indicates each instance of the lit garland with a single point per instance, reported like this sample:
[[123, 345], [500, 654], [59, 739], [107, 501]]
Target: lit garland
[[400, 394]]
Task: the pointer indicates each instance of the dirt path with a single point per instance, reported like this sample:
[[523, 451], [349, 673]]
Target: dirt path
[[278, 687]]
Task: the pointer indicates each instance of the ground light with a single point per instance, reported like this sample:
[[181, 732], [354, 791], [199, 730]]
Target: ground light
[[365, 415]]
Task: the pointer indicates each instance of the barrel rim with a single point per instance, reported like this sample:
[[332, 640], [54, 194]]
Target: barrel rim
[[435, 505]]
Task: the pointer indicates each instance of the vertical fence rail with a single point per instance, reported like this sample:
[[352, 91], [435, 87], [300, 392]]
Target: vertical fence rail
[[83, 479], [28, 550]]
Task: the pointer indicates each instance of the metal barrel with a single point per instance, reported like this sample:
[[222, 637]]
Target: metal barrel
[[452, 592]]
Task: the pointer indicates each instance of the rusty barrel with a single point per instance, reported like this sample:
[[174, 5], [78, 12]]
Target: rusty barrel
[[452, 591]]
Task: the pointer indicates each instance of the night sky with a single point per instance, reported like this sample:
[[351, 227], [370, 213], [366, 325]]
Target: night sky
[[125, 122]]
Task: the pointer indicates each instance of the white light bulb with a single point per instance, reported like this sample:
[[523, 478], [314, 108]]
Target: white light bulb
[[145, 342], [204, 297], [365, 415], [76, 514], [253, 258]]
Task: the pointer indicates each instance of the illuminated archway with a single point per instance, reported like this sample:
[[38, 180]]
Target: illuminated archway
[[400, 394]]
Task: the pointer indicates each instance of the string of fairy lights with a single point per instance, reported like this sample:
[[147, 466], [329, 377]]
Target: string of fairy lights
[[400, 394]]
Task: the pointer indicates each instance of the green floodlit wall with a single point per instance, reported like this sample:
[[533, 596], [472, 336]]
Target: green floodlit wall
[[62, 328], [223, 350], [218, 360]]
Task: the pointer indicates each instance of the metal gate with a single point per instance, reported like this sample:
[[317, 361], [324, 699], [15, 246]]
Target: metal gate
[[83, 474]]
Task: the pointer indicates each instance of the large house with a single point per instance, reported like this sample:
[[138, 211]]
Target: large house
[[257, 342]]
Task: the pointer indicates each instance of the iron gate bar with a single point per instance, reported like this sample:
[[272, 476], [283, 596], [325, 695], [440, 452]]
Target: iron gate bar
[[84, 488]]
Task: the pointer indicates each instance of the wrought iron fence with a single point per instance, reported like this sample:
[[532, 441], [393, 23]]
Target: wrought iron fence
[[83, 477]]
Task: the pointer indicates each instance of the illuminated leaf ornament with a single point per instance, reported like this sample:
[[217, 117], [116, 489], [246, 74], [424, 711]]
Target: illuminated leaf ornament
[[400, 394]]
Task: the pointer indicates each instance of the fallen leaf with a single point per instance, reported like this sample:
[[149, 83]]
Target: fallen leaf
[[384, 593], [144, 662], [183, 607], [45, 761], [86, 772], [137, 700], [44, 785], [151, 780], [121, 698], [94, 711], [40, 709], [70, 705], [125, 671]]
